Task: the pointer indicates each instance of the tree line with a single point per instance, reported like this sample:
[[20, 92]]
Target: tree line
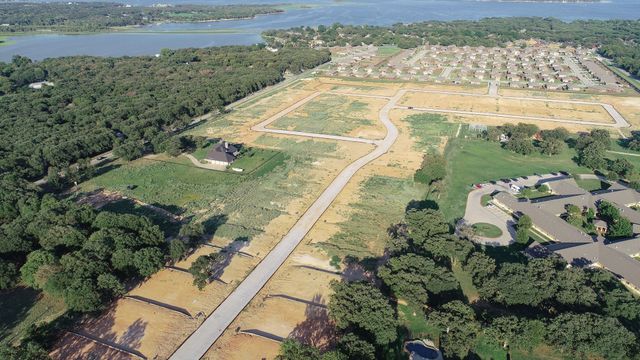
[[96, 104], [100, 16], [616, 39]]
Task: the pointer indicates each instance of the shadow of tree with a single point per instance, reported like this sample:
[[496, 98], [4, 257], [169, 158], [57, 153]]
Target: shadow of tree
[[14, 307], [422, 205], [227, 253], [93, 338], [212, 224], [317, 329]]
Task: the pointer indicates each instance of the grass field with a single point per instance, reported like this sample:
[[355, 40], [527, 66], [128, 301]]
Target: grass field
[[592, 184], [414, 320], [234, 205], [472, 161], [466, 282], [334, 115], [486, 230], [381, 204], [22, 307], [428, 130]]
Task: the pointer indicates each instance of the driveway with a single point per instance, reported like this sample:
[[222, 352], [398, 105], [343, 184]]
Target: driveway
[[476, 213]]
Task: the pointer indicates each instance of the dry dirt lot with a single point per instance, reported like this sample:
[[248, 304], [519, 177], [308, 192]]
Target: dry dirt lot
[[506, 106]]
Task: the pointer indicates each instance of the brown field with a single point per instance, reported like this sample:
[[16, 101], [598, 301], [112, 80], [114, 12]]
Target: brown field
[[517, 107]]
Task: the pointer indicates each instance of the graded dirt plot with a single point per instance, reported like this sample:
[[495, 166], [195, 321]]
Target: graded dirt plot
[[132, 326], [336, 115], [509, 106], [627, 105]]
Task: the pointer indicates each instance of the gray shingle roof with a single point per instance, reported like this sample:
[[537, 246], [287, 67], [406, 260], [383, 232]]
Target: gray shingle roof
[[618, 263], [222, 153], [547, 222]]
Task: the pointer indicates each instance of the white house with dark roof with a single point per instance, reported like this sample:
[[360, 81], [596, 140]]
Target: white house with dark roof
[[222, 154]]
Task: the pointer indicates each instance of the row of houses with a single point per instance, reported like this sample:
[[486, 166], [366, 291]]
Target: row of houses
[[520, 65], [574, 245]]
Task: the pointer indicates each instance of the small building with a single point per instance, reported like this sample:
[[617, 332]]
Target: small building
[[40, 84], [223, 154], [600, 226]]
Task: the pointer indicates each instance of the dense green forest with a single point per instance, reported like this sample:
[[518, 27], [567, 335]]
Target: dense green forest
[[100, 16], [523, 305], [97, 103], [617, 39]]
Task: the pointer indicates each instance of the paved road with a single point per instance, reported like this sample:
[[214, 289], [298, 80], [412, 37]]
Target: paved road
[[211, 329], [493, 88]]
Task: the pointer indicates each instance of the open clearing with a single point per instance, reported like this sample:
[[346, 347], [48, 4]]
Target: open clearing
[[336, 115], [510, 106], [252, 212]]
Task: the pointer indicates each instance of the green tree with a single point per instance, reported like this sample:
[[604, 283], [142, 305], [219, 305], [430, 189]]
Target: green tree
[[593, 156], [354, 347], [202, 269], [148, 260], [412, 277], [35, 260], [192, 231], [8, 274], [433, 168], [177, 250], [426, 223], [480, 267], [460, 328], [585, 335], [361, 306], [622, 167], [525, 222], [520, 145], [291, 349], [551, 147]]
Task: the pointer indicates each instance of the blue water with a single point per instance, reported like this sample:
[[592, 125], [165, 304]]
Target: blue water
[[373, 12]]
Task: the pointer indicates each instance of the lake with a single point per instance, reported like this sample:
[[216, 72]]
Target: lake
[[150, 39]]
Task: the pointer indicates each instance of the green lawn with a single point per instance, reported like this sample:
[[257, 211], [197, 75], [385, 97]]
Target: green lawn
[[414, 320], [466, 282], [472, 161], [592, 184], [486, 230], [22, 307], [487, 349], [485, 199], [255, 158]]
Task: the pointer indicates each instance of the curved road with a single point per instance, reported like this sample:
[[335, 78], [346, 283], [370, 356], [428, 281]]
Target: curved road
[[199, 342]]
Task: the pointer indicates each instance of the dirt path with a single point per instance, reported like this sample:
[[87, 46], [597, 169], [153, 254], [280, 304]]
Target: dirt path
[[211, 329]]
